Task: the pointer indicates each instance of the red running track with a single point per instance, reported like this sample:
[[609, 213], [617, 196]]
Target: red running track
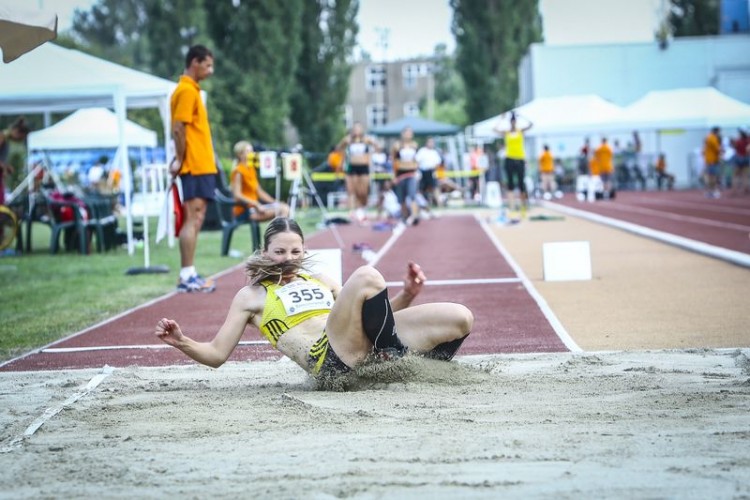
[[460, 260], [722, 222]]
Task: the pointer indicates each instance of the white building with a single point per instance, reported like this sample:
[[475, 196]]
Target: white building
[[624, 72]]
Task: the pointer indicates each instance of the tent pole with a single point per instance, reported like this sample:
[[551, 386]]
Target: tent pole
[[127, 176]]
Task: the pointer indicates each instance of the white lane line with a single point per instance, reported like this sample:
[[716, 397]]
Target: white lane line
[[61, 350], [51, 412], [739, 258], [705, 206], [388, 244], [112, 319], [560, 330], [681, 218], [479, 281]]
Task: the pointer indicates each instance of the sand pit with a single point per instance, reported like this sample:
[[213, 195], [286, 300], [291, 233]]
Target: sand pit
[[634, 424]]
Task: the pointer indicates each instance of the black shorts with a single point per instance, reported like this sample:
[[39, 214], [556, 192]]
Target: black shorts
[[358, 170], [515, 171], [198, 186], [323, 360], [427, 181]]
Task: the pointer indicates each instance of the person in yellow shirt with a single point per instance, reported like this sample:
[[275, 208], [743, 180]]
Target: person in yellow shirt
[[515, 160], [603, 157], [547, 174], [712, 161], [326, 328], [194, 161], [253, 202]]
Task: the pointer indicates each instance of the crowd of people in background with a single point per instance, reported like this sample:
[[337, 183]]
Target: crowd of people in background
[[715, 152]]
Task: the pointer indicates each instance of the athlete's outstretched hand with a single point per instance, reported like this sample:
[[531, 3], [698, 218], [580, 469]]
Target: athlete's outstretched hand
[[169, 332], [414, 279]]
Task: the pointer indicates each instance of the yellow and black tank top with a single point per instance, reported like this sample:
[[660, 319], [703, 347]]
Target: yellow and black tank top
[[276, 319]]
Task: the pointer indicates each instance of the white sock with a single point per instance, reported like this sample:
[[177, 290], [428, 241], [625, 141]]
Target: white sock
[[187, 272]]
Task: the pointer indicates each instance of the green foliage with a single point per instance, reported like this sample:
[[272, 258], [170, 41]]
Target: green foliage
[[453, 112], [328, 36], [275, 62], [695, 17], [257, 45], [491, 38]]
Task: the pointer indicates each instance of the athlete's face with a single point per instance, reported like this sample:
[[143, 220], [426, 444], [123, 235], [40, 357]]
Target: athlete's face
[[285, 246]]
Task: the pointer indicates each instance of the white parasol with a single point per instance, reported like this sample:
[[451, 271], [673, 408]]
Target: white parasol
[[22, 31]]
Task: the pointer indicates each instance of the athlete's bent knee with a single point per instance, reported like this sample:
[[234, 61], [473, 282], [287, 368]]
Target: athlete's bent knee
[[368, 277]]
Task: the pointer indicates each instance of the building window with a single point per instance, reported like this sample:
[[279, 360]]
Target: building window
[[411, 109], [410, 73], [425, 69], [377, 114], [375, 77]]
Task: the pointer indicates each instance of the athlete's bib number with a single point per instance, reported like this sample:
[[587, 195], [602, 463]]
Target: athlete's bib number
[[302, 296]]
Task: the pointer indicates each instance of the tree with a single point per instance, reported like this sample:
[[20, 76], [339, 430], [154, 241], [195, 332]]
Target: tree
[[491, 38], [694, 17], [450, 93], [328, 36], [257, 46], [148, 35]]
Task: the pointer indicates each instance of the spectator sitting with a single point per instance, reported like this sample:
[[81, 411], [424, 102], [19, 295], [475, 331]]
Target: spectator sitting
[[253, 203], [662, 174]]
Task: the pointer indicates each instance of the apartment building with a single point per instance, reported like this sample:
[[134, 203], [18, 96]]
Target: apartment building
[[382, 92]]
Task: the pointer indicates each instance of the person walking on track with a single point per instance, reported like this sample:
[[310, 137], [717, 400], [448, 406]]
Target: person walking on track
[[326, 328], [358, 148], [405, 170], [194, 161]]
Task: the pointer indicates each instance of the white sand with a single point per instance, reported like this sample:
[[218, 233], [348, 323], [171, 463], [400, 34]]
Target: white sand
[[635, 424]]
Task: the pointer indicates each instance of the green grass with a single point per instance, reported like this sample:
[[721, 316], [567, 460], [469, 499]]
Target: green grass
[[46, 297]]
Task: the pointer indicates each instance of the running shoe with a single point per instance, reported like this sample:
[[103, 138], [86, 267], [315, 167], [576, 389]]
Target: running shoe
[[196, 284]]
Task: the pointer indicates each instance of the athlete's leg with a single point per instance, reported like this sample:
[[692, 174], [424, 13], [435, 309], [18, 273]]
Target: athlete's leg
[[345, 328], [421, 329], [351, 193], [363, 190], [424, 327]]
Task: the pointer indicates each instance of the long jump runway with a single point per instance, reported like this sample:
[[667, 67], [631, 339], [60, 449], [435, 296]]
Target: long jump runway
[[462, 260]]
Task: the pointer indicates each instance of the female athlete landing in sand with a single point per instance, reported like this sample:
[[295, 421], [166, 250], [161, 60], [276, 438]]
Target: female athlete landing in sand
[[325, 328]]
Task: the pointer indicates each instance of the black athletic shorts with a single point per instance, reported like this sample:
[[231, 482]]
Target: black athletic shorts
[[515, 171], [358, 170], [427, 181], [198, 186]]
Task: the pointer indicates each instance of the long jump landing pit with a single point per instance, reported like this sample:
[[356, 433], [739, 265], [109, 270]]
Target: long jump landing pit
[[645, 424], [562, 425], [461, 260]]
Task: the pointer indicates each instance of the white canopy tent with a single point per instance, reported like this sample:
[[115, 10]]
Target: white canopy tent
[[90, 128], [563, 115], [690, 108], [55, 79]]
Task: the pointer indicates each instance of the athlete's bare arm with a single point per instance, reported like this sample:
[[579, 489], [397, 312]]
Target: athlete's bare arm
[[246, 306]]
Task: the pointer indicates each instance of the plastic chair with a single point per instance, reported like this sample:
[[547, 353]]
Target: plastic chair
[[102, 221], [224, 207], [66, 215]]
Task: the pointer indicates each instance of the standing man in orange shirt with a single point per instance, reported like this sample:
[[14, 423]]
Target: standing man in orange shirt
[[712, 160], [605, 165], [547, 174], [194, 161]]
